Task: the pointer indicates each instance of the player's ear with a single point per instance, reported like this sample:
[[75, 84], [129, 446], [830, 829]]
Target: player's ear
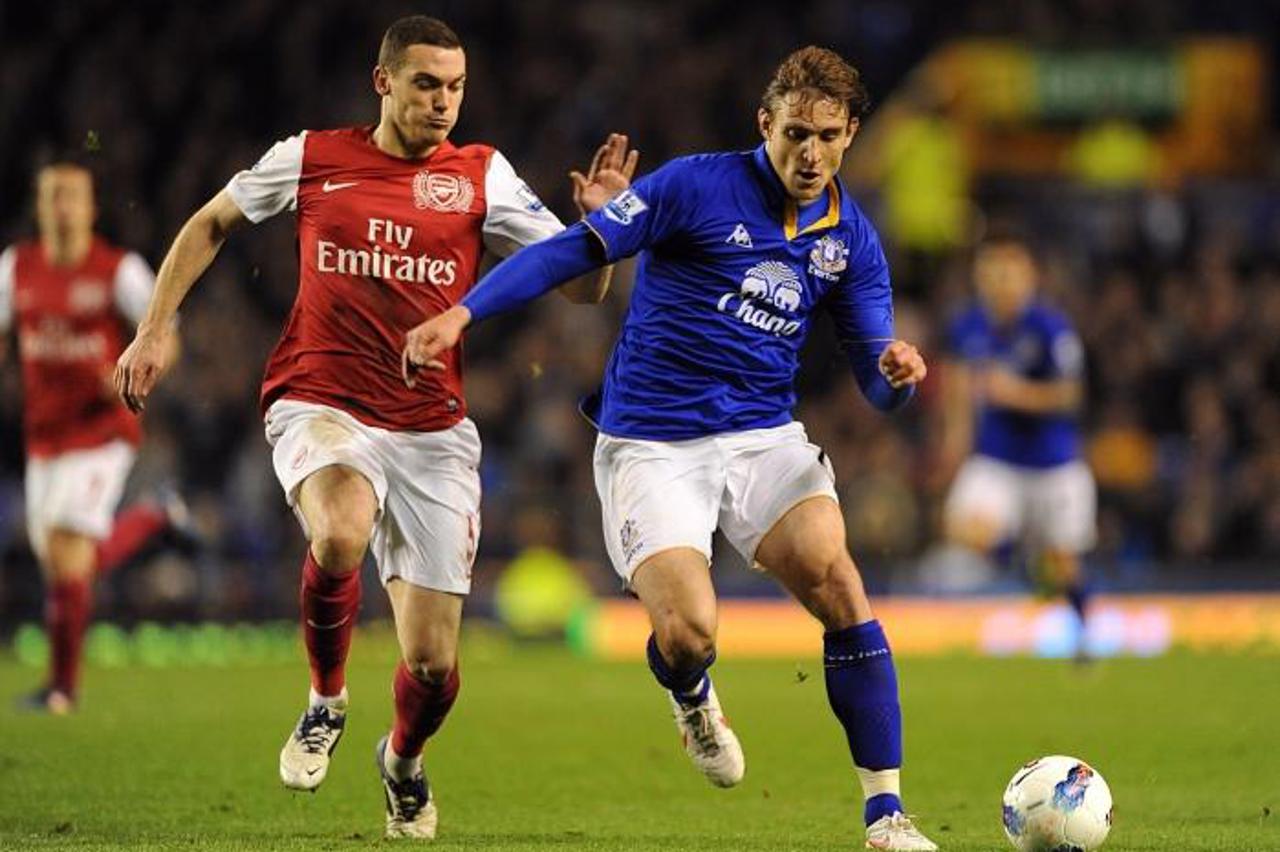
[[381, 80], [764, 120], [854, 124]]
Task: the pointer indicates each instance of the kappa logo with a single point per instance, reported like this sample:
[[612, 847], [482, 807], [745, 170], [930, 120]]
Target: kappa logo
[[442, 193], [740, 237], [625, 208]]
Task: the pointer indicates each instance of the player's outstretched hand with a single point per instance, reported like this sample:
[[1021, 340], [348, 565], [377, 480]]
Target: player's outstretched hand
[[610, 173], [141, 366], [902, 365], [426, 342]]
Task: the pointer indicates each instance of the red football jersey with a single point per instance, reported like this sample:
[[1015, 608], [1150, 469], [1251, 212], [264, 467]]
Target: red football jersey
[[72, 324], [383, 243]]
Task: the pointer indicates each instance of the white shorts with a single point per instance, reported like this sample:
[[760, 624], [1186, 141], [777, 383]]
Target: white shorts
[[76, 491], [657, 495], [427, 485], [1052, 507]]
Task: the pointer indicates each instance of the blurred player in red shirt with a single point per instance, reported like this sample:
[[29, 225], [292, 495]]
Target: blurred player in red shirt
[[72, 297], [392, 223]]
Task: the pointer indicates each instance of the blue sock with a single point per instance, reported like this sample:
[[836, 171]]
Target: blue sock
[[690, 687], [862, 687], [1078, 594], [883, 805]]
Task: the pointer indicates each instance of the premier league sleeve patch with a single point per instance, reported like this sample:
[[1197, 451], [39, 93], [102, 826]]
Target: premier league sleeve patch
[[625, 208], [531, 201]]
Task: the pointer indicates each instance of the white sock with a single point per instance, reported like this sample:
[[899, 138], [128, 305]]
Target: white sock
[[336, 703], [877, 782], [400, 768]]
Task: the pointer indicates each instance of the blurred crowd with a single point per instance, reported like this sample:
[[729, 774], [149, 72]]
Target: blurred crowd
[[1176, 293]]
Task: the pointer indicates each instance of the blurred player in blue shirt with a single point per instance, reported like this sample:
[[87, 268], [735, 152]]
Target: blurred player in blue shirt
[[1013, 390], [737, 252]]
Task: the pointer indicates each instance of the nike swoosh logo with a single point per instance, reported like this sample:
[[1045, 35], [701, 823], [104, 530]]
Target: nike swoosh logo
[[329, 186], [333, 626], [313, 771]]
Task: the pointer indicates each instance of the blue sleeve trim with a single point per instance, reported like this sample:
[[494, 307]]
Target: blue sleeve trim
[[865, 361]]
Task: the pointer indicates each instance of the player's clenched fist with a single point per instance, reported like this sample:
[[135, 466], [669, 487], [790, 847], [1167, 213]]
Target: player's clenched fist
[[140, 367], [902, 364], [424, 343]]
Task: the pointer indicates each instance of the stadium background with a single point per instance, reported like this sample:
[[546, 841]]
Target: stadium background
[[1155, 202]]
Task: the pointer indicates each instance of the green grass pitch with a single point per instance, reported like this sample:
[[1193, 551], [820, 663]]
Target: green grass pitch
[[549, 751]]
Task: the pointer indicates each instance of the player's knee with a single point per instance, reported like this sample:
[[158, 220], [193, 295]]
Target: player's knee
[[430, 665], [339, 548], [687, 641], [972, 533], [69, 556], [1061, 568]]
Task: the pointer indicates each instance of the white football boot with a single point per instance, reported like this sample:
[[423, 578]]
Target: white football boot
[[709, 741], [896, 833], [304, 760], [411, 809]]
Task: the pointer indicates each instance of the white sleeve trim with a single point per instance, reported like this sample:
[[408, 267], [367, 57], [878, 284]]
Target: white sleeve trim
[[133, 285], [8, 260], [514, 215], [271, 185], [1068, 355]]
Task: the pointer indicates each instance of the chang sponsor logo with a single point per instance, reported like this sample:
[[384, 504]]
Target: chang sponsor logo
[[770, 295]]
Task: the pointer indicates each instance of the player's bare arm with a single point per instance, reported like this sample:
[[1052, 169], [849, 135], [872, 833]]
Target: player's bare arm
[[1005, 389], [957, 416], [609, 174], [425, 343], [153, 347]]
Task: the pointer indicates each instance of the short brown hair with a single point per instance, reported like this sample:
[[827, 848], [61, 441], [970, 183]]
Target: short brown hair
[[69, 160], [415, 29], [816, 71]]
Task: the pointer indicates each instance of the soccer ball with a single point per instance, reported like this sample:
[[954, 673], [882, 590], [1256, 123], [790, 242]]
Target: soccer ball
[[1057, 804]]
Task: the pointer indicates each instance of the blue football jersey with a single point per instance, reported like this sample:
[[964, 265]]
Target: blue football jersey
[[729, 276], [1040, 345]]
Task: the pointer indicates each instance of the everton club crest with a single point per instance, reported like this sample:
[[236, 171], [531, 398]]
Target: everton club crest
[[828, 258], [442, 193]]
